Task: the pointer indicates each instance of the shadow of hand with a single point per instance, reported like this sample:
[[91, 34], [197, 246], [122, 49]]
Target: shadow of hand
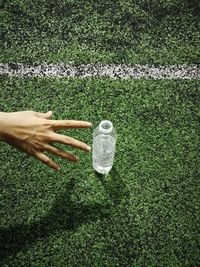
[[64, 215]]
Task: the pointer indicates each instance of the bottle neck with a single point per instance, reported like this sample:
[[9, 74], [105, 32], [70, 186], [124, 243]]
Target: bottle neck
[[106, 126]]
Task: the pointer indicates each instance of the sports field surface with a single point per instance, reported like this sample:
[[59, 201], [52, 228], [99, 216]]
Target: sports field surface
[[144, 76]]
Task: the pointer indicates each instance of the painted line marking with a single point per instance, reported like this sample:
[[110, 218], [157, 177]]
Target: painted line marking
[[187, 72]]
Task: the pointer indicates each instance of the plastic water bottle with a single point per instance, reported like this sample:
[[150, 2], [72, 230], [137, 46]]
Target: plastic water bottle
[[104, 142]]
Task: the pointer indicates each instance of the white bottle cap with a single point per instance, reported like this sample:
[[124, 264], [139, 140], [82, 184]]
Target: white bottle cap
[[106, 126]]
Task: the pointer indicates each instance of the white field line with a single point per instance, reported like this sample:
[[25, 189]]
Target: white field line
[[187, 72]]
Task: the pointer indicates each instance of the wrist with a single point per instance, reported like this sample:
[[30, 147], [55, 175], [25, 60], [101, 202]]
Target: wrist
[[3, 119]]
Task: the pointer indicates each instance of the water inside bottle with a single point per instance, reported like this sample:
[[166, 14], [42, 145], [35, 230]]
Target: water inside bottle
[[103, 153]]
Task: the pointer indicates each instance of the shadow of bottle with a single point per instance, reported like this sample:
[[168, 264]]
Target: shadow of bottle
[[113, 185]]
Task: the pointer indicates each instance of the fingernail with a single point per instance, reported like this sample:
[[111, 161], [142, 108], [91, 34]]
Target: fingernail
[[89, 124], [88, 148]]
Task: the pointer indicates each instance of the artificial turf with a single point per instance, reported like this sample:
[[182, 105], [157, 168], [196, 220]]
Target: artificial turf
[[82, 31], [146, 212]]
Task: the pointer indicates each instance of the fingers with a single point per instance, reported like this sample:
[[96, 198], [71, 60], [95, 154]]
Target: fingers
[[61, 153], [42, 157], [66, 124], [70, 141], [45, 159]]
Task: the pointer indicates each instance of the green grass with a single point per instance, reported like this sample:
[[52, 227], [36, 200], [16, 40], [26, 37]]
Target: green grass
[[145, 213], [79, 31]]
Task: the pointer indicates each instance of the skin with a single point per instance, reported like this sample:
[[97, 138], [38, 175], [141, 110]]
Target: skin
[[33, 133]]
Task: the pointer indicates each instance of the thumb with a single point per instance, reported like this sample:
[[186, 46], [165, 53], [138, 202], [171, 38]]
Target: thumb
[[46, 115]]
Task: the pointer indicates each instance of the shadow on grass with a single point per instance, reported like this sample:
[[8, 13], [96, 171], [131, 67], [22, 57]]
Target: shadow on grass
[[113, 185], [63, 215]]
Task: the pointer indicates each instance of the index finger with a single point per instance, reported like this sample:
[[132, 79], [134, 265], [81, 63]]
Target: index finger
[[66, 124]]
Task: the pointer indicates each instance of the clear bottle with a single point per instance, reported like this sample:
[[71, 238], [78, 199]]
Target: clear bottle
[[104, 142]]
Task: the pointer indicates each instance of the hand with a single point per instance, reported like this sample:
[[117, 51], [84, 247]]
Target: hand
[[33, 132]]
